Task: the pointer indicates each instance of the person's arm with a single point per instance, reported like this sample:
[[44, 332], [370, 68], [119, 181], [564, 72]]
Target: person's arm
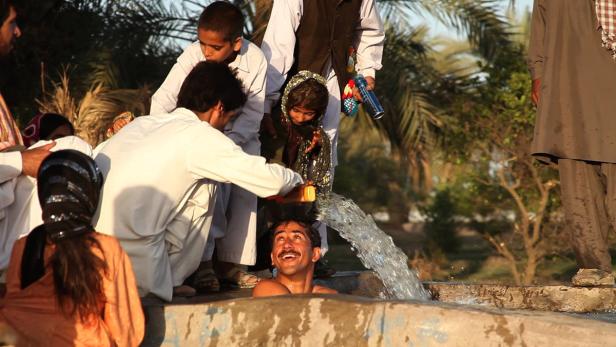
[[369, 40], [279, 45], [166, 97], [536, 50], [13, 164], [123, 314], [269, 288], [214, 156], [246, 125]]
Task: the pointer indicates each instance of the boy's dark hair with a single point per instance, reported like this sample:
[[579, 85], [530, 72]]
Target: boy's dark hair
[[5, 9], [208, 83], [313, 233], [309, 94], [222, 17]]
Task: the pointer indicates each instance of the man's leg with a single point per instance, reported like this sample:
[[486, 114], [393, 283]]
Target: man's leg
[[583, 197], [609, 172], [187, 234], [238, 247]]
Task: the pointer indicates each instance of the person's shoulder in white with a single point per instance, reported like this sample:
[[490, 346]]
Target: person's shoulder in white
[[191, 56], [252, 52]]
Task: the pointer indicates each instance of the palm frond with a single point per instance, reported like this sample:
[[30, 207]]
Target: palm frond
[[479, 20]]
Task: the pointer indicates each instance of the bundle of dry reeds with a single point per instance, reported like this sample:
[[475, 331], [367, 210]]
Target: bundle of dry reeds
[[94, 113]]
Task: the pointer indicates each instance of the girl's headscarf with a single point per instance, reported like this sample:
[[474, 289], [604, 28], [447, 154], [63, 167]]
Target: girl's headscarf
[[317, 169], [69, 184]]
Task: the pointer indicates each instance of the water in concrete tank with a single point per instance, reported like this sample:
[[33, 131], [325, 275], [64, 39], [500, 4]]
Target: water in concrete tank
[[375, 249]]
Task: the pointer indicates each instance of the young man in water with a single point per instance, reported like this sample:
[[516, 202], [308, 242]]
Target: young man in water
[[296, 247]]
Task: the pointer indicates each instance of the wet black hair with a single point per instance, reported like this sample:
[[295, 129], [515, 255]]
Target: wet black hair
[[5, 9], [223, 17], [207, 84], [303, 214], [51, 122]]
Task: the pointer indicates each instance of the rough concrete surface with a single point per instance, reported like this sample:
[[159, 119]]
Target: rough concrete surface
[[351, 321], [542, 298]]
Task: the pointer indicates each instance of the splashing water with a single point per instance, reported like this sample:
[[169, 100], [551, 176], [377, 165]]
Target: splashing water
[[375, 249]]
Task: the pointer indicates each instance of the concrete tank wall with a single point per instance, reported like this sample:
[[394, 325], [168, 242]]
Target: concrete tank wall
[[351, 321]]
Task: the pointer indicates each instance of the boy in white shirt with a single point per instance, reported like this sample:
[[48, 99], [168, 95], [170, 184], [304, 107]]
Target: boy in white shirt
[[220, 31]]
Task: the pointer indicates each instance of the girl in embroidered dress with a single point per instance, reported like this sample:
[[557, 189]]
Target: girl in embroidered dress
[[306, 147]]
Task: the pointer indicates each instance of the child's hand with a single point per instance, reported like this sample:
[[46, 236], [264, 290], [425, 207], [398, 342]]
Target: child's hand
[[316, 138]]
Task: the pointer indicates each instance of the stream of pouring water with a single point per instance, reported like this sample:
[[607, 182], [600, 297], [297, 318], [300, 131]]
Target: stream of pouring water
[[375, 249]]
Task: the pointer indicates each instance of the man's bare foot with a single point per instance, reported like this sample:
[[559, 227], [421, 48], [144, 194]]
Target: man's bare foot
[[184, 291], [205, 279], [237, 276]]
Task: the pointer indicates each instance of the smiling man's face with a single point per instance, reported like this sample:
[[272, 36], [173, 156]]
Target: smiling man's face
[[292, 250]]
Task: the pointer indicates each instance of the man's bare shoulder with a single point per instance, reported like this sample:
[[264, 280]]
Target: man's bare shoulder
[[269, 288], [323, 290]]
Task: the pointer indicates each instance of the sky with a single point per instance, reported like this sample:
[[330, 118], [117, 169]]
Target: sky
[[436, 28]]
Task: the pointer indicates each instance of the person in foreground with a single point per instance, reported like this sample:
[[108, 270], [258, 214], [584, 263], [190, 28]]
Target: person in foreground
[[66, 283], [296, 247]]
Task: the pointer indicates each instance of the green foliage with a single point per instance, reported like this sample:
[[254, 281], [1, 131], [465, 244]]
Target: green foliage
[[119, 43], [441, 225], [372, 179]]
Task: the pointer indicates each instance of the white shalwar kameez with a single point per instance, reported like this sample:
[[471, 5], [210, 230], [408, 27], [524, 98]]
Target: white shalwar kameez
[[151, 168], [279, 45], [235, 221], [20, 210]]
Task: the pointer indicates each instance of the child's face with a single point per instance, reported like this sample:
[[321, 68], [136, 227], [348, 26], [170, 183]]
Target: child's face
[[300, 115], [215, 47]]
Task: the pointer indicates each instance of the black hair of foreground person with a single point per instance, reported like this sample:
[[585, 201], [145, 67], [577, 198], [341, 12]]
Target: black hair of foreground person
[[201, 97], [69, 184]]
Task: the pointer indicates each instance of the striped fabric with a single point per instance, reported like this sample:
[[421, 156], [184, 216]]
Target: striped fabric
[[9, 132], [606, 15]]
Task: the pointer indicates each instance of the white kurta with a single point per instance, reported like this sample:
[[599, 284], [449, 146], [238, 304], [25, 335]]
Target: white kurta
[[151, 168], [237, 243], [279, 45], [24, 213], [10, 165]]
